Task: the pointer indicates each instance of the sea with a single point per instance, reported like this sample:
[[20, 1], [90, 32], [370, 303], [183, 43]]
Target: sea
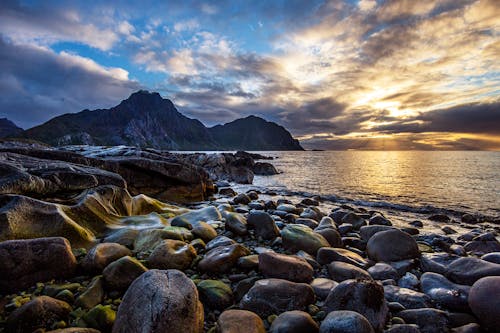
[[420, 181]]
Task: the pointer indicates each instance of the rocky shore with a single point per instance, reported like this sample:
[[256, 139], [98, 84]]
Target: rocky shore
[[116, 239]]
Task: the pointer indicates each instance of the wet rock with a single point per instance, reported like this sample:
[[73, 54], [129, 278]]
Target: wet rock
[[236, 223], [249, 262], [341, 271], [309, 258], [444, 292], [243, 286], [281, 266], [93, 295], [263, 224], [215, 294], [171, 254], [227, 191], [410, 299], [410, 281], [468, 270], [237, 321], [345, 322], [25, 262], [331, 235], [222, 258], [428, 320], [436, 262], [242, 199], [41, 312], [448, 230], [378, 219], [469, 328], [148, 239], [121, 273], [307, 222], [160, 301], [479, 247], [493, 257], [328, 254], [294, 322], [274, 296], [219, 241], [205, 214], [298, 237], [353, 219], [440, 218], [100, 317], [368, 231], [125, 237], [102, 255], [469, 218], [264, 169], [383, 271], [289, 208], [363, 296], [322, 287], [392, 245], [204, 231], [403, 328], [484, 300]]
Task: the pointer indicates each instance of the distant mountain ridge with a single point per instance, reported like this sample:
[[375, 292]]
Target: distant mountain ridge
[[9, 129], [145, 119]]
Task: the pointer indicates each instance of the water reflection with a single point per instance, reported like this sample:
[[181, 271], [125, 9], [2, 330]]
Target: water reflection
[[458, 180]]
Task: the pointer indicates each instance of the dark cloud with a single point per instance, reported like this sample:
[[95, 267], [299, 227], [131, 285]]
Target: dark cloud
[[472, 118], [38, 84]]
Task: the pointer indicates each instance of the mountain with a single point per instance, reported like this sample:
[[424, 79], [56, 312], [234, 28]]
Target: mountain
[[9, 129], [145, 119], [253, 133]]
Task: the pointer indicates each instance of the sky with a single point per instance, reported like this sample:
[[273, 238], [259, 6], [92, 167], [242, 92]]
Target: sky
[[381, 75]]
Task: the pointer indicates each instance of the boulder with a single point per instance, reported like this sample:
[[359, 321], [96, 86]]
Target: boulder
[[328, 254], [392, 245], [41, 312], [125, 237], [171, 254], [410, 299], [383, 271], [493, 257], [263, 224], [236, 223], [264, 169], [160, 301], [281, 266], [436, 262], [294, 322], [121, 273], [222, 258], [363, 296], [481, 247], [331, 235], [219, 241], [93, 295], [100, 317], [345, 322], [368, 231], [322, 287], [298, 237], [353, 219], [25, 262], [341, 271], [428, 320], [215, 294], [237, 321], [102, 255], [444, 292], [274, 296], [484, 300], [468, 270]]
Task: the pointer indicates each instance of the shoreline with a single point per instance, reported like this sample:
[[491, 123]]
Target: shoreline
[[236, 257]]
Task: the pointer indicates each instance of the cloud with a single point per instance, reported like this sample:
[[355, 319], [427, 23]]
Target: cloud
[[187, 25], [46, 25], [54, 83]]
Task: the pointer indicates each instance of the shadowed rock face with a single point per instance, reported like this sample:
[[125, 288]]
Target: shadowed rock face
[[147, 120]]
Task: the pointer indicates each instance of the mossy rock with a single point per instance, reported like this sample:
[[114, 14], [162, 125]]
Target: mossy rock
[[215, 294], [100, 317]]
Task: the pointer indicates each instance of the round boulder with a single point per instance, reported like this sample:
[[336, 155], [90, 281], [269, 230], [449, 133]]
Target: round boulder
[[345, 322], [160, 301], [281, 266], [392, 245], [172, 254], [237, 321], [294, 322], [484, 300]]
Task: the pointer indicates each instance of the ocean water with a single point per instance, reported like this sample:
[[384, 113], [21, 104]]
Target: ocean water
[[461, 181]]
